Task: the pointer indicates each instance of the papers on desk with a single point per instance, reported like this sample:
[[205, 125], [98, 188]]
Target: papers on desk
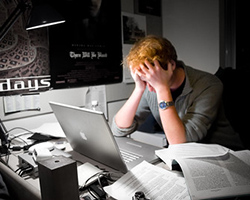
[[209, 178], [86, 174], [210, 171], [156, 183], [190, 150], [53, 129]]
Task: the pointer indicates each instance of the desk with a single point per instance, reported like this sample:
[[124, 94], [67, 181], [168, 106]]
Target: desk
[[32, 185], [29, 187]]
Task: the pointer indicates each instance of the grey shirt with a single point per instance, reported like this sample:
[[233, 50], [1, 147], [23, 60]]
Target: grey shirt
[[199, 106]]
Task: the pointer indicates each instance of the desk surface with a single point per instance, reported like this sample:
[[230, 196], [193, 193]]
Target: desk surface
[[34, 123], [13, 163], [34, 182]]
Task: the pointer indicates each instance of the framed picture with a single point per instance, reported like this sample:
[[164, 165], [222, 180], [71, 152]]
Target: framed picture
[[133, 29]]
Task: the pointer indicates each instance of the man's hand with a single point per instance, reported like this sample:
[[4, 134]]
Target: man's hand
[[139, 84], [156, 76]]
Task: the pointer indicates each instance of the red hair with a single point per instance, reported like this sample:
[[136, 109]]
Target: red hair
[[151, 48]]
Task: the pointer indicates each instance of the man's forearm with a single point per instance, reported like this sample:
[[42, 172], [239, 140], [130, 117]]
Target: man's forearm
[[125, 116], [172, 125]]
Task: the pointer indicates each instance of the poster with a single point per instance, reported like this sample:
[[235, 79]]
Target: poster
[[86, 50], [24, 56]]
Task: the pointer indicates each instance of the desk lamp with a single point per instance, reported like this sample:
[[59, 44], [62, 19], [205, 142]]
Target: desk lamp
[[42, 15]]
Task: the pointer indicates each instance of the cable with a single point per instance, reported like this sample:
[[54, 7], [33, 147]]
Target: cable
[[96, 190], [19, 128], [15, 148], [87, 187], [17, 136], [23, 170], [26, 170], [26, 146], [18, 169]]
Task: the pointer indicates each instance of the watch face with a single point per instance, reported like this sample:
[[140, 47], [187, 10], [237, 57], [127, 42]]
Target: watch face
[[163, 105]]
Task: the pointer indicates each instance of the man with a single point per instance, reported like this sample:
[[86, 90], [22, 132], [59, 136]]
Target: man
[[184, 101]]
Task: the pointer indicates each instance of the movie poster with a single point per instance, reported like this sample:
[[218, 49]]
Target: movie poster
[[24, 56], [86, 49]]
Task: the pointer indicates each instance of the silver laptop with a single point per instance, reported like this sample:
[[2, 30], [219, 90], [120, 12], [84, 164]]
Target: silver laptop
[[88, 133]]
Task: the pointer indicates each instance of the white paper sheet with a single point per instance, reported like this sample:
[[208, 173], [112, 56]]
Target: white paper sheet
[[53, 129], [17, 103], [155, 182], [209, 178], [85, 172], [190, 150]]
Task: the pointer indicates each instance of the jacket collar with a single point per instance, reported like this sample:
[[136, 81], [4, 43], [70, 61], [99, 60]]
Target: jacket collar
[[187, 88]]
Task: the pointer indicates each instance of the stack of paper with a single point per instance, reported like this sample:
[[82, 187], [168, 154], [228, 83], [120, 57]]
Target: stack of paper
[[190, 150], [210, 171], [155, 182]]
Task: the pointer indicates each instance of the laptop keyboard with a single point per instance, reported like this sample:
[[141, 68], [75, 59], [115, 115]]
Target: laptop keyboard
[[129, 156]]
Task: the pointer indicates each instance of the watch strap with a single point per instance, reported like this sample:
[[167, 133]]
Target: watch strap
[[165, 104]]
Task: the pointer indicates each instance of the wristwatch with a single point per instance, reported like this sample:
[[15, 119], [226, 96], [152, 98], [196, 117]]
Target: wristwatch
[[165, 104]]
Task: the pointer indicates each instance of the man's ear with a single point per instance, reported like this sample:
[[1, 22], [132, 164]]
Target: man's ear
[[173, 63]]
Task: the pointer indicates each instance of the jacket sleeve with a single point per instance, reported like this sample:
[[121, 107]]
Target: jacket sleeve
[[120, 132], [140, 116], [203, 106]]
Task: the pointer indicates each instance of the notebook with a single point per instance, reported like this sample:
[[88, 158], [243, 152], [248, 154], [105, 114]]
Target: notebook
[[89, 134]]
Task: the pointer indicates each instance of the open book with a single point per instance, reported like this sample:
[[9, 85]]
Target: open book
[[211, 171], [190, 150]]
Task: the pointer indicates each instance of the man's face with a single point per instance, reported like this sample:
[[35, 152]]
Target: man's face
[[94, 7]]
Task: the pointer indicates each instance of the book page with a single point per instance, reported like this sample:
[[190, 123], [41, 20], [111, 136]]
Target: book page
[[217, 177], [190, 150], [155, 182]]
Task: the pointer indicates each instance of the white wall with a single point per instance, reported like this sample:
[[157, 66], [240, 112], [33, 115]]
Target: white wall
[[193, 28]]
